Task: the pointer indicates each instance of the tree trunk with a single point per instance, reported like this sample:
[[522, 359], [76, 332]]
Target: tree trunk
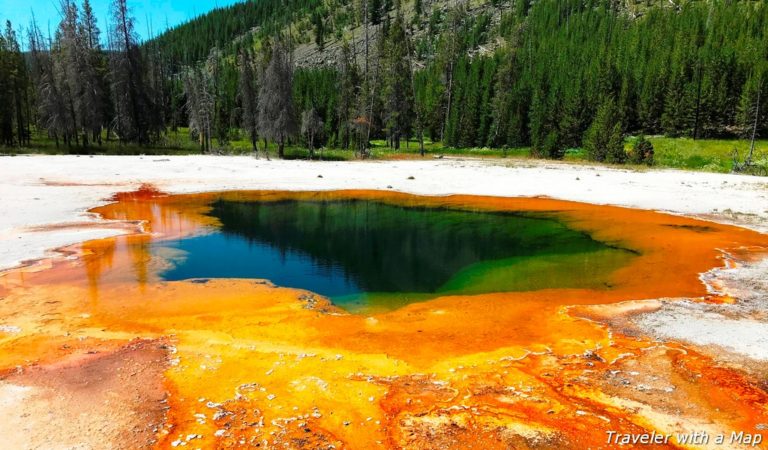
[[19, 119], [129, 58], [365, 19], [448, 106], [311, 146], [754, 127], [370, 114], [698, 108]]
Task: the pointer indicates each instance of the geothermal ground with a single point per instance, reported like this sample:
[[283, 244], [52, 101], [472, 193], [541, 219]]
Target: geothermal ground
[[88, 366]]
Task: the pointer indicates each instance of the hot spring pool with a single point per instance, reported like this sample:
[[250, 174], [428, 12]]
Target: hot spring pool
[[366, 254]]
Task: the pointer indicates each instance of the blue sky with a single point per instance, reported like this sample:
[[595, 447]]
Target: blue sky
[[148, 13]]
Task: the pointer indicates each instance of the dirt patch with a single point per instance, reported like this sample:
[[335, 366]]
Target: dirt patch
[[110, 400]]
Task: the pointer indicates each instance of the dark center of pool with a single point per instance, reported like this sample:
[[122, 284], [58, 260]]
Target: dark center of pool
[[367, 255]]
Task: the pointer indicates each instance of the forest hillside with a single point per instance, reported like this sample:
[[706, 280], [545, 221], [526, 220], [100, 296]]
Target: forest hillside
[[546, 75]]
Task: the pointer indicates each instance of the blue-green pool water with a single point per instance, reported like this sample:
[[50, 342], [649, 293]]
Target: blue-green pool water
[[373, 256]]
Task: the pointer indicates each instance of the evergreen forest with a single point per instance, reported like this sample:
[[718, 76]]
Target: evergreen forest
[[549, 75]]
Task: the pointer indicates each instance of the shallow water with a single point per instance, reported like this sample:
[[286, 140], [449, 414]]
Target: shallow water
[[369, 255]]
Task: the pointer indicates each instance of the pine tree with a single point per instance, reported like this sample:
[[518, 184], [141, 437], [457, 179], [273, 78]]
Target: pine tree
[[397, 91], [542, 86], [319, 24], [572, 120], [508, 129], [546, 141], [651, 104], [375, 11], [604, 141], [14, 82], [752, 118], [616, 154], [348, 91]]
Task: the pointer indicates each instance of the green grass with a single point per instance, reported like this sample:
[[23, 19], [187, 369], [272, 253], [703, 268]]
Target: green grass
[[172, 143], [710, 155], [431, 148]]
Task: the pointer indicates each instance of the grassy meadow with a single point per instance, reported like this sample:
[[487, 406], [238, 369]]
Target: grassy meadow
[[708, 155]]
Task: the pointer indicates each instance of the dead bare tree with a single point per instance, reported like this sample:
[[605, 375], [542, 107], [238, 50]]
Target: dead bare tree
[[348, 85], [277, 119], [455, 18], [139, 119], [311, 127], [92, 103], [200, 105], [748, 165], [417, 106], [51, 110], [754, 127], [249, 97]]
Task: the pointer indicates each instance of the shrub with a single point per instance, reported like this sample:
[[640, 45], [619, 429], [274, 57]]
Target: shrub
[[642, 152]]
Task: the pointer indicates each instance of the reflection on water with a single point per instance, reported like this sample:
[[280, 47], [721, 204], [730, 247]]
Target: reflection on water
[[359, 252]]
